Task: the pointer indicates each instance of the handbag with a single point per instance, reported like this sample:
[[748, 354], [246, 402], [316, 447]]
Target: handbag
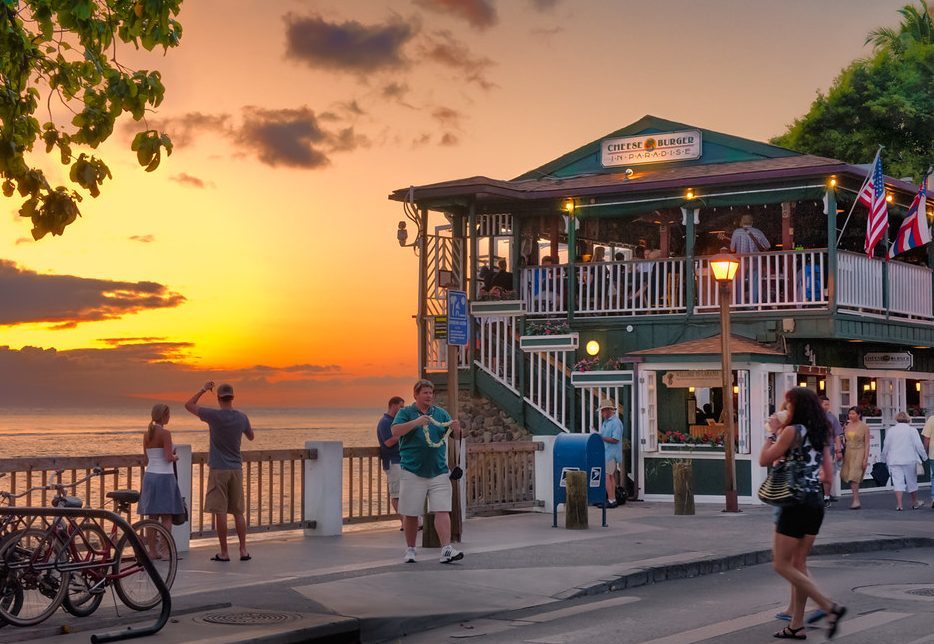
[[785, 484], [180, 518], [880, 473], [456, 472]]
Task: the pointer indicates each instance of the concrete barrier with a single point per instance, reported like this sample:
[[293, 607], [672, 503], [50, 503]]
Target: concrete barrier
[[324, 485]]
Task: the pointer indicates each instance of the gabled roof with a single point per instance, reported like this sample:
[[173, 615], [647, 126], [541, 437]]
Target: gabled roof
[[711, 346], [717, 148]]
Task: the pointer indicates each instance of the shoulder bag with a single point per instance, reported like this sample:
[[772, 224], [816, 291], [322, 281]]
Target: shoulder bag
[[182, 517], [785, 483]]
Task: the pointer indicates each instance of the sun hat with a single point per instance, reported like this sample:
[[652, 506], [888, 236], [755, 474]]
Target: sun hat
[[225, 391], [606, 403]]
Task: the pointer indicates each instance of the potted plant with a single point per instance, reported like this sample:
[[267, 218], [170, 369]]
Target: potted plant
[[497, 303], [592, 371], [549, 335]]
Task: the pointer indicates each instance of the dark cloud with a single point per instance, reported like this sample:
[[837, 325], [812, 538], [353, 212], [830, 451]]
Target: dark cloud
[[23, 240], [293, 137], [185, 128], [395, 90], [449, 139], [143, 239], [480, 14], [544, 5], [347, 46], [443, 48], [422, 140], [447, 117], [65, 300], [130, 369], [353, 108], [188, 180]]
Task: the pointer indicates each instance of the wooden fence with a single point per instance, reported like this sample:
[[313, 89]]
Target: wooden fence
[[498, 476]]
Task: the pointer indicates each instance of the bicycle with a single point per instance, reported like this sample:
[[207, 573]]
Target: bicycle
[[71, 564]]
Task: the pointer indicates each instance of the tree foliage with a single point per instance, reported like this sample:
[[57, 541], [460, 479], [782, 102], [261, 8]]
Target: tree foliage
[[887, 99], [58, 63]]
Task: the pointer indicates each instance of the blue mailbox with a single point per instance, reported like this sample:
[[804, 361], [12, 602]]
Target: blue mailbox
[[582, 452]]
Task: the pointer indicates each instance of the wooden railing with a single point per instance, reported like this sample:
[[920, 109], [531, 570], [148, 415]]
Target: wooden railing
[[500, 476], [631, 288], [497, 353], [366, 493], [548, 385], [859, 283], [910, 290], [544, 290], [768, 281], [273, 481]]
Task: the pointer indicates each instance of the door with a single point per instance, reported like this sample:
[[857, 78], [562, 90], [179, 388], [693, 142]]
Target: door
[[648, 412]]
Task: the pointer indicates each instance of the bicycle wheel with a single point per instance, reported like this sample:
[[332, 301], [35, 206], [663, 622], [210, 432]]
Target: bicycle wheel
[[133, 584], [29, 564], [89, 544]]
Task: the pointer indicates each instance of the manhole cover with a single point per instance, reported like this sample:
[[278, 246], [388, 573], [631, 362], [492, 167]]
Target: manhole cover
[[916, 592], [249, 618], [922, 592]]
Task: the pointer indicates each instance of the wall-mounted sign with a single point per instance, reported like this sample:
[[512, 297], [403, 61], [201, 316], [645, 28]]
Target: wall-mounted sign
[[888, 360], [700, 378], [663, 147], [440, 330]]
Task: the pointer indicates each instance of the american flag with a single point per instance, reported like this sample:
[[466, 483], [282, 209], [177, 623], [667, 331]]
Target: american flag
[[873, 195], [914, 230]]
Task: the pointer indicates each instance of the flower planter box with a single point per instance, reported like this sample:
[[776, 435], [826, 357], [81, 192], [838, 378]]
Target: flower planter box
[[562, 342], [498, 308], [685, 447], [605, 378]]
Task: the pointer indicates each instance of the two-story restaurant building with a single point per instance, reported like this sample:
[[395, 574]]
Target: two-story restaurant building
[[607, 248]]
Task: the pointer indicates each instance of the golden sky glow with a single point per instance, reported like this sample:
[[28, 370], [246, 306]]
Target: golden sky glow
[[282, 266]]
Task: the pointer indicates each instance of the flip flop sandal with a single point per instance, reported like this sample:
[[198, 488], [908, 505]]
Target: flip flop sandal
[[219, 558], [789, 633], [833, 619]]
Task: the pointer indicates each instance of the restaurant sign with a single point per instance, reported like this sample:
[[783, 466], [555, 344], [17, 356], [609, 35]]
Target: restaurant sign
[[888, 360], [706, 378], [663, 147]]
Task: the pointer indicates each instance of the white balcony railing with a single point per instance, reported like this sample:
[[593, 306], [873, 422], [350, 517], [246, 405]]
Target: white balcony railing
[[544, 290], [859, 283], [630, 288], [909, 290], [768, 281]]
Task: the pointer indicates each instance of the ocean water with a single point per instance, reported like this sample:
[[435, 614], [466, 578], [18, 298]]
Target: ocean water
[[90, 432]]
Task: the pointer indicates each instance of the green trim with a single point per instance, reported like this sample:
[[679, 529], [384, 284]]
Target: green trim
[[563, 342], [709, 479], [608, 378], [497, 307]]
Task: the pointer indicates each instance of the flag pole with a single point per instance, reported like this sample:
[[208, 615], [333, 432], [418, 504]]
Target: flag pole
[[856, 201]]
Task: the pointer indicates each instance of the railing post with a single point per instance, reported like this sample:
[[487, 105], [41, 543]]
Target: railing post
[[830, 208], [689, 216], [544, 472], [323, 496], [182, 533]]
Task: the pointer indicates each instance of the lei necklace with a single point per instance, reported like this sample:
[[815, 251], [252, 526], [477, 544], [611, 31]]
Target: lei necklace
[[444, 437]]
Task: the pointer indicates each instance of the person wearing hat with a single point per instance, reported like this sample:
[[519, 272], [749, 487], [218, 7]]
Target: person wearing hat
[[611, 431], [227, 427]]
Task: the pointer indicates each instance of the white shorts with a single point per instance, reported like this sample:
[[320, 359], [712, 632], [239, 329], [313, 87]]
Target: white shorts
[[393, 476], [413, 489], [904, 477]]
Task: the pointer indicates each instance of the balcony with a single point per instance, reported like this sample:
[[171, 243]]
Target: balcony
[[768, 282]]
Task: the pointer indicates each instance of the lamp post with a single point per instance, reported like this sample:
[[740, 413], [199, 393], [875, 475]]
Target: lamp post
[[724, 270]]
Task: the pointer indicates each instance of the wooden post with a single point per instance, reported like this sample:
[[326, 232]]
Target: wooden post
[[682, 479], [575, 508]]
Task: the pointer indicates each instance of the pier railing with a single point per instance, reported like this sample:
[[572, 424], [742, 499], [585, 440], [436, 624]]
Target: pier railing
[[498, 476]]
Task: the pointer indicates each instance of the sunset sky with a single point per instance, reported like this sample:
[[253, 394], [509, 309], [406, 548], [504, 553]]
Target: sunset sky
[[263, 250]]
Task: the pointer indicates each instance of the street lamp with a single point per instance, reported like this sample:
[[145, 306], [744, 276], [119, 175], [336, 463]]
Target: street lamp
[[724, 270]]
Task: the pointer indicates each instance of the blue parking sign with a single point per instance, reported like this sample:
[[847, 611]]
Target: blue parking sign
[[457, 318]]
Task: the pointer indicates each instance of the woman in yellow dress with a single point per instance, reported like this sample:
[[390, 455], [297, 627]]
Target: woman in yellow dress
[[856, 456]]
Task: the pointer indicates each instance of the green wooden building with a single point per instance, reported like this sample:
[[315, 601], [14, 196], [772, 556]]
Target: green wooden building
[[606, 249]]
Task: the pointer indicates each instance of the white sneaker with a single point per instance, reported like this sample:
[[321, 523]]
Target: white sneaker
[[450, 555], [409, 556]]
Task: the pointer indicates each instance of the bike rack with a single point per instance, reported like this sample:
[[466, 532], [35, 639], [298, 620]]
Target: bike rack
[[141, 554]]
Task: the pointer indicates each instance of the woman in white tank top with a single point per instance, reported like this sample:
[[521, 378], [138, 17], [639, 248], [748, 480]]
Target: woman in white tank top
[[160, 497]]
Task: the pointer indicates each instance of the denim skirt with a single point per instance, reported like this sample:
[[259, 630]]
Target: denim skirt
[[160, 495]]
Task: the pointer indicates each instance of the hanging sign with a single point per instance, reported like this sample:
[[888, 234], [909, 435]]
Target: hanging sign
[[888, 360], [699, 378], [663, 147]]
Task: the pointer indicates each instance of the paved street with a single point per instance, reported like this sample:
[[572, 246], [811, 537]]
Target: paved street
[[890, 596]]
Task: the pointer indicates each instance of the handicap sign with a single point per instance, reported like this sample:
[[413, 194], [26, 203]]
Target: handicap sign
[[595, 473], [457, 318], [564, 474]]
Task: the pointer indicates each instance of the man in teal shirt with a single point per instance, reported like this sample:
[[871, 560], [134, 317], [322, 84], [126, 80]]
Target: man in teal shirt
[[422, 430], [611, 431]]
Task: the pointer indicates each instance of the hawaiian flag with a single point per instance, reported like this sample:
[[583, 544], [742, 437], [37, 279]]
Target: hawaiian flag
[[914, 231], [873, 195]]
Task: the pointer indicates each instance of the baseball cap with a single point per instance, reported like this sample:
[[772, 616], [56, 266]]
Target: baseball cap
[[225, 391]]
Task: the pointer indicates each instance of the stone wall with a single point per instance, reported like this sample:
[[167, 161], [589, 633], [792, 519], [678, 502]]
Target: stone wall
[[483, 421]]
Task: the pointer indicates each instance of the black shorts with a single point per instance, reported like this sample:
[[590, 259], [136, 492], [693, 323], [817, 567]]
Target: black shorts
[[796, 521]]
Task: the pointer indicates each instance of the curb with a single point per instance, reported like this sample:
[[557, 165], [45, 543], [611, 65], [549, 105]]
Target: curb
[[689, 570]]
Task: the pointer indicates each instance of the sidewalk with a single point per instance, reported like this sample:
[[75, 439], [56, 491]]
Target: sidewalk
[[301, 588]]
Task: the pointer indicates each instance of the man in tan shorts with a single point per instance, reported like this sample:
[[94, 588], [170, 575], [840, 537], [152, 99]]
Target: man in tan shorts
[[225, 483]]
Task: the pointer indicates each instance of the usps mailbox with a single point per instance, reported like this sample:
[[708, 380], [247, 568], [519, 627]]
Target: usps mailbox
[[582, 452]]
